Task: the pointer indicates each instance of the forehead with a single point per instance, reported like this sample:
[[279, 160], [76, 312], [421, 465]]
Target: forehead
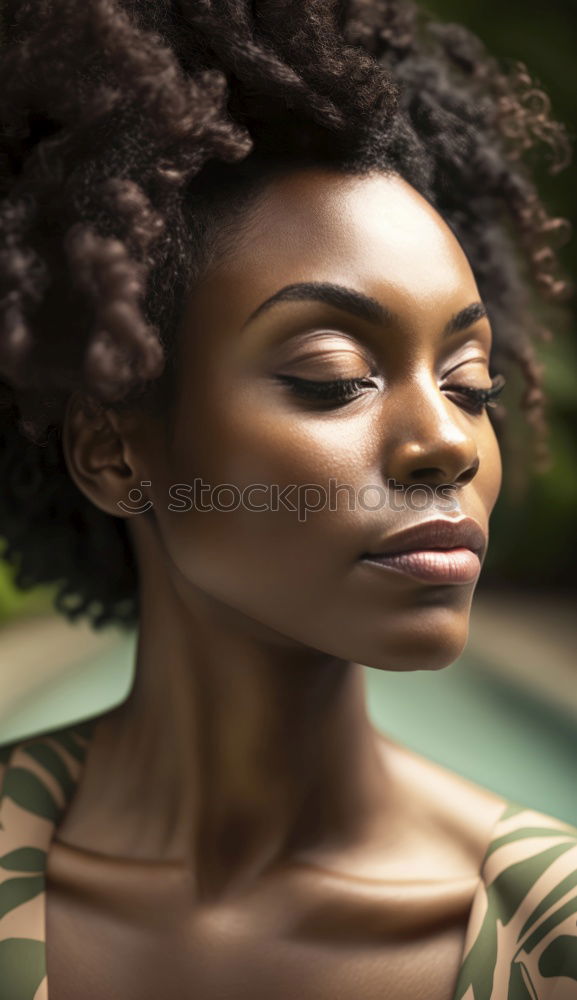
[[373, 232]]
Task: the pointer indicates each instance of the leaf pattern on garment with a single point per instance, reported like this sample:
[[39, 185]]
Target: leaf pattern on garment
[[38, 777], [521, 942]]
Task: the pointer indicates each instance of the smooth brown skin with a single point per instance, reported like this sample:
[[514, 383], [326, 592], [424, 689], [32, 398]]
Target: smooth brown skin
[[241, 830]]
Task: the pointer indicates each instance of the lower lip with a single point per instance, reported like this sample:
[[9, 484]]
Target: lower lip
[[433, 565]]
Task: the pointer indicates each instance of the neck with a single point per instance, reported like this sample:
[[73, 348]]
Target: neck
[[236, 750]]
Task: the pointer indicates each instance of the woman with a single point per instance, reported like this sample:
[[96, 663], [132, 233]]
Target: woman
[[263, 269]]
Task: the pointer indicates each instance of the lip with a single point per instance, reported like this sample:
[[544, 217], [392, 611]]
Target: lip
[[438, 533], [435, 551]]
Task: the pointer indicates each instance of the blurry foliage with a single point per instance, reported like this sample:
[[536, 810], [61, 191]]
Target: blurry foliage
[[15, 602], [533, 538]]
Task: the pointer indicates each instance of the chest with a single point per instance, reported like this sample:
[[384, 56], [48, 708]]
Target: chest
[[312, 945]]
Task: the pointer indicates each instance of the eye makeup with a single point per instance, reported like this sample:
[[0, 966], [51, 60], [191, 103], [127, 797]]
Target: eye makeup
[[336, 392]]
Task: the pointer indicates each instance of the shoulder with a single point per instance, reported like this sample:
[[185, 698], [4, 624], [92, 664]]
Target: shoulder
[[38, 775], [522, 934], [521, 938]]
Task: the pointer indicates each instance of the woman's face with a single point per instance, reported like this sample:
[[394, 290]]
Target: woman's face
[[245, 442]]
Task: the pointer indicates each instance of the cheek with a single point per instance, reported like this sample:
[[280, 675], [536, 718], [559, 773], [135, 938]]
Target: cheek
[[256, 523]]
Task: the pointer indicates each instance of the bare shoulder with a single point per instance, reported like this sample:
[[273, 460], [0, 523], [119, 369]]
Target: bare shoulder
[[456, 807]]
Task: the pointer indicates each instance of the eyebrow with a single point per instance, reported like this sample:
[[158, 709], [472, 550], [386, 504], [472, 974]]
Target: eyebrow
[[358, 304]]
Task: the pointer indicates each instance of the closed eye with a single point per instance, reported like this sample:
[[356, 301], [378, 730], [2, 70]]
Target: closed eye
[[476, 400], [340, 390]]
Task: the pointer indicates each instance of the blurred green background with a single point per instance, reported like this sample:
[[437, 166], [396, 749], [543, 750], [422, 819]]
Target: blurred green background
[[533, 537]]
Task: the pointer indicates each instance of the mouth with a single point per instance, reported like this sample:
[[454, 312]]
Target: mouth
[[438, 551]]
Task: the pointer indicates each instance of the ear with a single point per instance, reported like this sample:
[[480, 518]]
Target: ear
[[99, 456]]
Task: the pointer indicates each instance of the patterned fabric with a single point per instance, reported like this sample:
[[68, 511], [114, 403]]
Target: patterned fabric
[[37, 780], [521, 941]]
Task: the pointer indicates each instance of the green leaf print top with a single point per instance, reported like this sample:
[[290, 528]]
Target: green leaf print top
[[521, 941]]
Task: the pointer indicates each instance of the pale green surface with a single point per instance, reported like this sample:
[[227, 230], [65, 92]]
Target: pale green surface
[[462, 717], [485, 728], [97, 684]]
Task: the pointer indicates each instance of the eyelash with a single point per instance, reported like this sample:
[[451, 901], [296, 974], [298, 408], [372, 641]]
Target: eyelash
[[342, 390]]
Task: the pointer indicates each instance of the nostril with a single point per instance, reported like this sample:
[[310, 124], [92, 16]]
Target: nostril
[[466, 476]]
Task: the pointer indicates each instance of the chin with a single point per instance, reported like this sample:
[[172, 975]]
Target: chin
[[426, 647]]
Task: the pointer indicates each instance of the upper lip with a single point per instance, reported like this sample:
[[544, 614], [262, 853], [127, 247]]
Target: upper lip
[[435, 534]]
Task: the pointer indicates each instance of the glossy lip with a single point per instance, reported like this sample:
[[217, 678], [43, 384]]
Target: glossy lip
[[438, 533]]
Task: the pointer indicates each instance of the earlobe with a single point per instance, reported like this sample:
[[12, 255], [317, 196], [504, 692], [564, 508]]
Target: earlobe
[[97, 453]]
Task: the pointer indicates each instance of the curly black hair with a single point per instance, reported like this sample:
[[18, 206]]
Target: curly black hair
[[133, 136]]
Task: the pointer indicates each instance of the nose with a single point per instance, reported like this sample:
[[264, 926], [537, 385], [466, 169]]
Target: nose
[[432, 442]]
